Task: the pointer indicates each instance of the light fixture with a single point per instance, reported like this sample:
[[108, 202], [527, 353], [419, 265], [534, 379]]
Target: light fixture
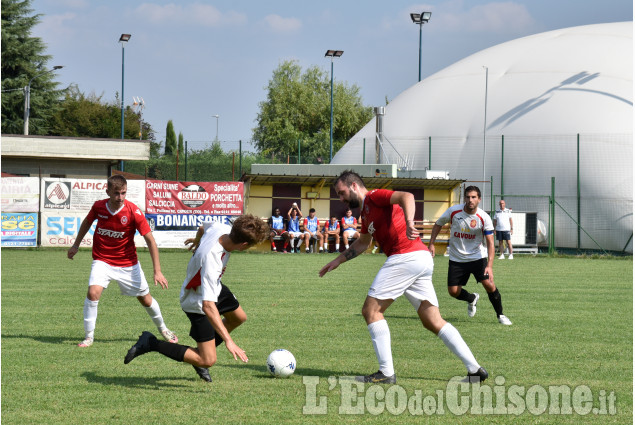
[[332, 54]]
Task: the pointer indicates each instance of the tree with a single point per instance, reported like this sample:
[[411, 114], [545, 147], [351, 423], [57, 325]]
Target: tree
[[170, 139], [23, 59], [298, 108], [181, 149]]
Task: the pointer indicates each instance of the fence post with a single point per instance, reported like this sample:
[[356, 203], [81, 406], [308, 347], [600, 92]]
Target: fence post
[[552, 218], [492, 201], [299, 147], [364, 152], [240, 158], [185, 160], [578, 183], [429, 152], [502, 166]]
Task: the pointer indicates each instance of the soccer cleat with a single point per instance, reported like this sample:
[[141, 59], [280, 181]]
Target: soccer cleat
[[503, 320], [203, 372], [471, 307], [502, 257], [274, 249], [377, 378], [511, 256], [142, 346], [480, 373], [169, 336], [307, 250], [86, 343], [374, 250]]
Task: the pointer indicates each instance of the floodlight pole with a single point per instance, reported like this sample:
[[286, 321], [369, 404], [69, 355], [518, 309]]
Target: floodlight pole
[[217, 117], [123, 40], [485, 127], [420, 19], [332, 54]]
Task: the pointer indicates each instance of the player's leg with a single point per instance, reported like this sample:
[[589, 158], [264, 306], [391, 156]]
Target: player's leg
[[307, 242], [458, 275], [273, 243], [501, 246], [510, 247], [492, 293], [98, 281], [285, 236], [229, 307], [336, 234], [373, 312], [132, 282]]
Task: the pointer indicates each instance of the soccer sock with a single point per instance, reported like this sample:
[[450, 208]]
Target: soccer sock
[[466, 296], [454, 341], [173, 351], [337, 247], [380, 335], [273, 245], [495, 299], [90, 317], [345, 246], [286, 244], [155, 314]]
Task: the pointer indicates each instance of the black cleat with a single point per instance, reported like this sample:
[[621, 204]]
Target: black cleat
[[203, 372], [480, 373], [377, 378], [144, 344]]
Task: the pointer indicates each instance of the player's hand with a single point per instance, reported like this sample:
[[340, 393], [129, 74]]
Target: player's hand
[[236, 351], [71, 252], [161, 280], [431, 249], [489, 273], [411, 231], [329, 267]]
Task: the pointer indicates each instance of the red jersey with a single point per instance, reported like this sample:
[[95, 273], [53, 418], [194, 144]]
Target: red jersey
[[113, 240], [387, 224]]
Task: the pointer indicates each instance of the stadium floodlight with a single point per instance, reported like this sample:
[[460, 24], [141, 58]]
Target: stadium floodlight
[[123, 40], [332, 54], [27, 97], [420, 19]]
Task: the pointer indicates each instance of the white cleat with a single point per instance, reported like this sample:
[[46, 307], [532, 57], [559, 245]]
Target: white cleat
[[511, 256], [503, 320], [471, 307], [502, 257]]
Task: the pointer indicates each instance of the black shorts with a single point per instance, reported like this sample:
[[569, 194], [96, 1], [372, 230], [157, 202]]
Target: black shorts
[[459, 273], [503, 235], [202, 329]]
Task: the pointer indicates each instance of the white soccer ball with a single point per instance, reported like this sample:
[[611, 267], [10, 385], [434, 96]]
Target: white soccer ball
[[281, 363]]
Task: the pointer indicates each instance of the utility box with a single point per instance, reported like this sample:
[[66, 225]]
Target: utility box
[[437, 174]]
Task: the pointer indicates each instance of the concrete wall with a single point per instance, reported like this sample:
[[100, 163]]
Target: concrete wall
[[32, 167]]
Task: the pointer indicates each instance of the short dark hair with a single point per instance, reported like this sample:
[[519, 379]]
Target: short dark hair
[[116, 181], [249, 228], [311, 210], [348, 177], [472, 189]]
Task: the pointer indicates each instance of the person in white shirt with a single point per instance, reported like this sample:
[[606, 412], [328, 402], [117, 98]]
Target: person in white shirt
[[504, 225], [470, 228], [204, 298]]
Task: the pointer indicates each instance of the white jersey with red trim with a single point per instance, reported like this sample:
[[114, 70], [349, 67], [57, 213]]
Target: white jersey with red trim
[[467, 233], [204, 271]]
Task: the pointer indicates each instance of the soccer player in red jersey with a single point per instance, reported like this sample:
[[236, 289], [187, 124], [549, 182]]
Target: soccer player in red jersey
[[388, 217], [115, 256]]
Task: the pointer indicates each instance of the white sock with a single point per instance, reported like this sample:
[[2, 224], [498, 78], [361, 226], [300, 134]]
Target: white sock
[[155, 314], [380, 335], [90, 317], [454, 341], [337, 247], [346, 246], [292, 241]]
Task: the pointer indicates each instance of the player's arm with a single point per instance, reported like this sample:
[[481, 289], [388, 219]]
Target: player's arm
[[195, 241], [511, 226], [83, 229], [360, 245], [433, 237], [210, 310], [156, 264], [489, 241], [406, 201]]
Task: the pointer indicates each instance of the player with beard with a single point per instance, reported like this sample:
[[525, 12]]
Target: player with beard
[[388, 217]]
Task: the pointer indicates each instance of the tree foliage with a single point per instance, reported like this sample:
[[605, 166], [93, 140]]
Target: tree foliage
[[170, 139], [181, 148], [298, 107], [23, 60]]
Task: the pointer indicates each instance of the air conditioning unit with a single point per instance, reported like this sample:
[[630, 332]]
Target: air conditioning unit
[[437, 174]]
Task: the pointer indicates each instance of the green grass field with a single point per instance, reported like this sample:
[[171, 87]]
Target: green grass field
[[572, 327]]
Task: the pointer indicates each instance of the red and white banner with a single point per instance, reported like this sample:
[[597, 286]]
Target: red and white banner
[[219, 198], [81, 194], [20, 194]]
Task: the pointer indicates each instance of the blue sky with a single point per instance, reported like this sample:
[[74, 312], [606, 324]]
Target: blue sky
[[190, 60]]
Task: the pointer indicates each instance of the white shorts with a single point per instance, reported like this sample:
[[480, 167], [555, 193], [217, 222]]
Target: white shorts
[[409, 274], [295, 234], [131, 280]]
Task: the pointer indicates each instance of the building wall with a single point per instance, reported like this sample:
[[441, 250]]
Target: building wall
[[45, 167]]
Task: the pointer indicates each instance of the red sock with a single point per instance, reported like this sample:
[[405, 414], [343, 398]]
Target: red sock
[[273, 244], [286, 244]]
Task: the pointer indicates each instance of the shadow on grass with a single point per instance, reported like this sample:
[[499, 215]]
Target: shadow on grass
[[264, 373], [63, 339], [137, 381]]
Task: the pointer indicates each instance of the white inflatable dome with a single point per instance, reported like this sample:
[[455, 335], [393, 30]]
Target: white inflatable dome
[[544, 92]]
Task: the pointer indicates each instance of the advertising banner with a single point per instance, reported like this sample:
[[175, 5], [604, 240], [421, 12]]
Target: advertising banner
[[81, 194], [59, 228], [19, 229], [20, 194], [171, 230], [201, 198]]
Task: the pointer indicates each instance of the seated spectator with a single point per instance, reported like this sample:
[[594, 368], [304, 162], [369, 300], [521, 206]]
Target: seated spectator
[[332, 228], [312, 230], [278, 227], [295, 234], [349, 227]]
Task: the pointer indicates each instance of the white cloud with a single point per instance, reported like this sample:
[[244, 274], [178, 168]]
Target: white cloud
[[496, 17], [70, 4], [279, 24], [191, 14], [53, 28]]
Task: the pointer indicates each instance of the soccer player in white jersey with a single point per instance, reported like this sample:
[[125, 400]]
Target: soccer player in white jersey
[[388, 217], [504, 225], [115, 256], [470, 229], [204, 298]]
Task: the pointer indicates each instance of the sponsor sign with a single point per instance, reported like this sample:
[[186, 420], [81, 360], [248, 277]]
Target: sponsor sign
[[19, 229], [201, 198], [81, 194], [171, 230], [20, 194]]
